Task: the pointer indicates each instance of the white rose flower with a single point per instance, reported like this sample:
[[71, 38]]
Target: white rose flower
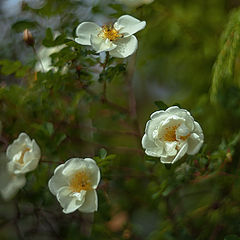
[[23, 155], [135, 3], [74, 184], [172, 133], [118, 38], [9, 182]]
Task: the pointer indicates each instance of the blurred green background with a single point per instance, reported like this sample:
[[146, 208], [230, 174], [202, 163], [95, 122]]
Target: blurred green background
[[188, 55]]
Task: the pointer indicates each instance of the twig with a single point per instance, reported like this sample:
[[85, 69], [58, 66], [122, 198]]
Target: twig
[[105, 82], [39, 59]]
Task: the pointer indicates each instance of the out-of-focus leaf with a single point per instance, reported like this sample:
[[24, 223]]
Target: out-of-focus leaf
[[232, 237], [161, 105], [20, 26], [9, 67], [102, 153]]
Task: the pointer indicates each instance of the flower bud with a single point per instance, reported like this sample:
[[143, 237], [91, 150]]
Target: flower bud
[[28, 38]]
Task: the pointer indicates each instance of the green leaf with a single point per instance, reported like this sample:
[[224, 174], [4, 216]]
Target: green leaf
[[112, 73], [102, 153], [232, 237], [225, 72], [9, 67], [20, 26], [61, 138], [161, 105], [49, 127]]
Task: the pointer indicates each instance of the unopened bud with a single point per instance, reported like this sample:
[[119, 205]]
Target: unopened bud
[[28, 38]]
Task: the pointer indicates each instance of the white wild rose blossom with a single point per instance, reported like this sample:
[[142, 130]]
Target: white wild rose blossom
[[10, 183], [23, 154], [117, 39], [135, 3], [171, 134], [74, 184]]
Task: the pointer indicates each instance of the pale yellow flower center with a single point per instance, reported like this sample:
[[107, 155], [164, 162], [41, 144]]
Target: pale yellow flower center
[[22, 155], [170, 134], [110, 32], [80, 181]]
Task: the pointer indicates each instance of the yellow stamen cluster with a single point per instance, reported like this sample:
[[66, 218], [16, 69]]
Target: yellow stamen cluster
[[22, 155], [170, 133], [111, 33], [80, 181]]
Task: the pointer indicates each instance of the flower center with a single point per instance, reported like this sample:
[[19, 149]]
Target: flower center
[[111, 33], [80, 181], [170, 133], [22, 155]]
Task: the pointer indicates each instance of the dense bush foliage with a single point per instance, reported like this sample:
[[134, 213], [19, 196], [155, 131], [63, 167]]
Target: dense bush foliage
[[78, 103]]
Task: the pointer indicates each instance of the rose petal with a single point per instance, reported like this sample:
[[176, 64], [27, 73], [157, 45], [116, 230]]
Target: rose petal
[[68, 202], [125, 47], [91, 202], [57, 181], [150, 147], [84, 32], [128, 25], [100, 44]]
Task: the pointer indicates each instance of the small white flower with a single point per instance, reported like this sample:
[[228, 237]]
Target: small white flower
[[23, 155], [171, 134], [118, 38], [9, 182], [74, 184], [135, 3]]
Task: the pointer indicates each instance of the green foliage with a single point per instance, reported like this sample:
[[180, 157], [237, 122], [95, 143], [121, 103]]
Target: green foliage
[[225, 71], [84, 106], [20, 26]]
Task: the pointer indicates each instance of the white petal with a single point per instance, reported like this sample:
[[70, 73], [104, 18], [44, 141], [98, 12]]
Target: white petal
[[15, 182], [84, 32], [166, 159], [72, 165], [157, 114], [125, 47], [179, 155], [195, 143], [128, 25], [183, 113], [57, 181], [196, 139], [31, 159], [17, 145], [91, 202], [68, 202], [100, 44], [182, 131], [151, 148], [94, 171], [170, 148]]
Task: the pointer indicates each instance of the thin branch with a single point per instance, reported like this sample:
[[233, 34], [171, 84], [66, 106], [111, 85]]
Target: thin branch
[[105, 82]]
